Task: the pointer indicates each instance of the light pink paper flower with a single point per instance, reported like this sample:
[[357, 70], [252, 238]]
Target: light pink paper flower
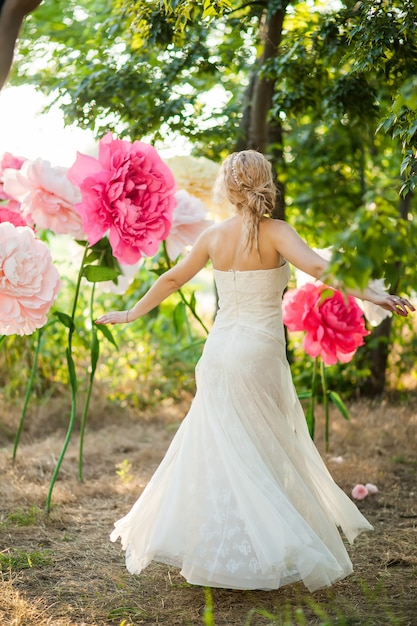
[[47, 197], [129, 193], [188, 223], [359, 492], [29, 282], [8, 161], [334, 325], [371, 488]]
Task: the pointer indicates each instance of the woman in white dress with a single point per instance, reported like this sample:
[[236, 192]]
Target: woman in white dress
[[242, 498]]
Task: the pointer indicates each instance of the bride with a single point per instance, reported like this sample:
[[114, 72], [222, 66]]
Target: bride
[[242, 498]]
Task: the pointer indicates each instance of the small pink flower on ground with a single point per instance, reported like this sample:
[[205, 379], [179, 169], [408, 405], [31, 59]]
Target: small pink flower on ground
[[359, 492], [334, 324], [337, 459], [47, 197], [127, 192], [371, 488], [29, 282], [189, 221]]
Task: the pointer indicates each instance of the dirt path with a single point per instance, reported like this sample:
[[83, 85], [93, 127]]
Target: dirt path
[[61, 570]]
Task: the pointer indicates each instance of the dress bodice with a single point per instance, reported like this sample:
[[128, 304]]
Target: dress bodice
[[252, 298]]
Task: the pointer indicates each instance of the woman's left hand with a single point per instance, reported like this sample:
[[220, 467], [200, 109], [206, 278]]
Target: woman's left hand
[[114, 317], [395, 304]]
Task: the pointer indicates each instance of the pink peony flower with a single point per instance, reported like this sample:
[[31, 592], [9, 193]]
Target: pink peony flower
[[128, 191], [359, 492], [9, 214], [8, 161], [188, 223], [47, 197], [334, 325], [29, 282], [298, 304], [373, 313]]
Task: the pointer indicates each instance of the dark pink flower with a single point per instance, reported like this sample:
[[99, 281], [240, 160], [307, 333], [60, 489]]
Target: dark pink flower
[[334, 324], [10, 213], [298, 304], [127, 192]]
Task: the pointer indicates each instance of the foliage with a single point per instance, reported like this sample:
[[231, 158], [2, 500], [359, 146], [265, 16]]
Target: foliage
[[18, 559], [341, 121]]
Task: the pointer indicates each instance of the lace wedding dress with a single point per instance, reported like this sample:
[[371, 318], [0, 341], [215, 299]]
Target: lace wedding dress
[[242, 498]]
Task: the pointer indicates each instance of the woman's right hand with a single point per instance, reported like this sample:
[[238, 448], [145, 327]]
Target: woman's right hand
[[114, 317]]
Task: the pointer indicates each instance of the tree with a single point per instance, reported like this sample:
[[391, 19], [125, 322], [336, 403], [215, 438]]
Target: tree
[[315, 88]]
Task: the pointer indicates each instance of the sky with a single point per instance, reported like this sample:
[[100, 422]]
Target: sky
[[26, 132]]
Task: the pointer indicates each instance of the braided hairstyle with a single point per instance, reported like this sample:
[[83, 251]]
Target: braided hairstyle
[[246, 179]]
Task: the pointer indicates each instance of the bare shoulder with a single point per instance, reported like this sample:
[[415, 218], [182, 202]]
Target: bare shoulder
[[276, 228]]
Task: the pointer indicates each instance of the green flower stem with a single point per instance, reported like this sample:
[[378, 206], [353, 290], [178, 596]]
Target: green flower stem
[[183, 298], [73, 383], [28, 391], [312, 421], [93, 365], [325, 402]]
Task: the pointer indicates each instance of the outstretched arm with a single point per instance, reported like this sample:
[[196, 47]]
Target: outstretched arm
[[297, 252], [12, 14], [165, 285]]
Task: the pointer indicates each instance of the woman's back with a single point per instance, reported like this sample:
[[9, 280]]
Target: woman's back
[[228, 249]]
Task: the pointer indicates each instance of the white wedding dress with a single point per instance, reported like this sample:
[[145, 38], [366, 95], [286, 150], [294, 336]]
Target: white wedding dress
[[242, 498]]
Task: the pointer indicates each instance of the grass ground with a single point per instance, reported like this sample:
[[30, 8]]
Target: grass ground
[[61, 570]]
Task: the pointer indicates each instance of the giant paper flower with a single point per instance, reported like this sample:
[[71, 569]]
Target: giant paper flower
[[188, 223], [47, 197], [197, 176], [374, 313], [8, 161], [334, 324], [129, 193], [29, 282], [9, 214]]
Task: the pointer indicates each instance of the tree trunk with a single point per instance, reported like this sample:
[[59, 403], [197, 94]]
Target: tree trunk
[[377, 353], [263, 88]]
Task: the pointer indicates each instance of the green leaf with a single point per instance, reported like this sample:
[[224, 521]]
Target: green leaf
[[71, 371], [65, 319], [193, 302], [96, 273], [179, 316], [304, 395], [108, 334], [193, 344], [310, 418], [338, 402], [95, 351]]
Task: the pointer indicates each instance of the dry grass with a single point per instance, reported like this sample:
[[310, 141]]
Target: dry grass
[[73, 576]]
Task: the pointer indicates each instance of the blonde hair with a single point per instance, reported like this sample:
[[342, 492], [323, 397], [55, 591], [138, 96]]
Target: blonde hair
[[246, 180]]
